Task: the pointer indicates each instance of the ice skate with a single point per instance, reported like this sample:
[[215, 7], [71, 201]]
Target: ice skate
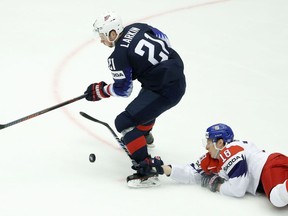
[[143, 181], [147, 173]]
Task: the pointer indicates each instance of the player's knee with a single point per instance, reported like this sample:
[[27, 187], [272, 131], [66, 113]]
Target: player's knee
[[123, 121]]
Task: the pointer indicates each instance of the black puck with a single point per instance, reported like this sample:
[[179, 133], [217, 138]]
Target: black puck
[[92, 158]]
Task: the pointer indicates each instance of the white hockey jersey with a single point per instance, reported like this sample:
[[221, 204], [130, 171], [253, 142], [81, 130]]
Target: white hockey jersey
[[240, 164]]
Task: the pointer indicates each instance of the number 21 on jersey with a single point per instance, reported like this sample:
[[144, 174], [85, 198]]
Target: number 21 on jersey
[[148, 42]]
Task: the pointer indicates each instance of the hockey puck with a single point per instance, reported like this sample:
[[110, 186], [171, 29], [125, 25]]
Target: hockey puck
[[92, 158]]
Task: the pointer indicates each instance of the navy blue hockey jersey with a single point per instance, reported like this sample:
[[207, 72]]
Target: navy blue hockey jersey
[[143, 52]]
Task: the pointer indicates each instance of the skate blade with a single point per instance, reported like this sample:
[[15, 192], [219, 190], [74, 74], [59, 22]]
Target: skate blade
[[144, 183]]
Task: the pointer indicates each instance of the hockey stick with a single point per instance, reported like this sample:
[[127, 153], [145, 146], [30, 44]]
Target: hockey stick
[[85, 115], [41, 112]]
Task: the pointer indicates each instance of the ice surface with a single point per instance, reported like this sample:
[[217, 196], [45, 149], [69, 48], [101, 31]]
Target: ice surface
[[235, 54]]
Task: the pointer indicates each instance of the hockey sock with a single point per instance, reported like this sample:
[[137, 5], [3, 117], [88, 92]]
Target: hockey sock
[[136, 144], [279, 195]]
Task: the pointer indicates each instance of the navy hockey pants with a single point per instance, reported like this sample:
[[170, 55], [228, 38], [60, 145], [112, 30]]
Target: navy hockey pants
[[140, 115]]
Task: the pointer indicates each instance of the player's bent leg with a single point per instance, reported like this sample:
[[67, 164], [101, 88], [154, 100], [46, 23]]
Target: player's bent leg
[[146, 129], [123, 122]]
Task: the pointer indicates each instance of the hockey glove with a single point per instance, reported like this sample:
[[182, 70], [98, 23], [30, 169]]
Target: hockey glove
[[157, 163], [211, 181], [95, 92], [146, 165]]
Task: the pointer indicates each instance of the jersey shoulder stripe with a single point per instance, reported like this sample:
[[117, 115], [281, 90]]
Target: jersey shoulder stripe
[[233, 161]]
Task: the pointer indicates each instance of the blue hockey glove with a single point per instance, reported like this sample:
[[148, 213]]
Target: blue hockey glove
[[95, 92], [211, 181], [157, 163], [145, 166]]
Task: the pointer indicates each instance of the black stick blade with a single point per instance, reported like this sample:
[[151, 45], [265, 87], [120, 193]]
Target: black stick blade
[[85, 115]]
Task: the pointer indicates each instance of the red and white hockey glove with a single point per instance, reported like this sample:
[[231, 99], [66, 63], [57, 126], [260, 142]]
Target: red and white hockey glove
[[95, 92]]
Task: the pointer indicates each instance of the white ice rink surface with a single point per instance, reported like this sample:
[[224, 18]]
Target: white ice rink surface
[[236, 63]]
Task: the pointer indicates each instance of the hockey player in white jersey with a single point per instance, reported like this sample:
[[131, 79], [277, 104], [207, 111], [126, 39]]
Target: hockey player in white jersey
[[235, 168]]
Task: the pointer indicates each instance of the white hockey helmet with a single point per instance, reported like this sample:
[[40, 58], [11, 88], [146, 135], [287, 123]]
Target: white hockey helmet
[[107, 22]]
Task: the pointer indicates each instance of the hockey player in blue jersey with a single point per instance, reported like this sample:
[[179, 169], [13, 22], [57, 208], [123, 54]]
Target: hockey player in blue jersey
[[141, 52]]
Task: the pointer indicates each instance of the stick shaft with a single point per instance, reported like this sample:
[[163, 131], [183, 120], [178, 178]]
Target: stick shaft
[[114, 134], [2, 126]]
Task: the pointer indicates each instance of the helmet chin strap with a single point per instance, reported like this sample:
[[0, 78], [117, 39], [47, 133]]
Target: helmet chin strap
[[216, 155], [113, 42]]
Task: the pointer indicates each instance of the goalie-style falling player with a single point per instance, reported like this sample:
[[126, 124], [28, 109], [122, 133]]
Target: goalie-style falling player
[[143, 53]]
